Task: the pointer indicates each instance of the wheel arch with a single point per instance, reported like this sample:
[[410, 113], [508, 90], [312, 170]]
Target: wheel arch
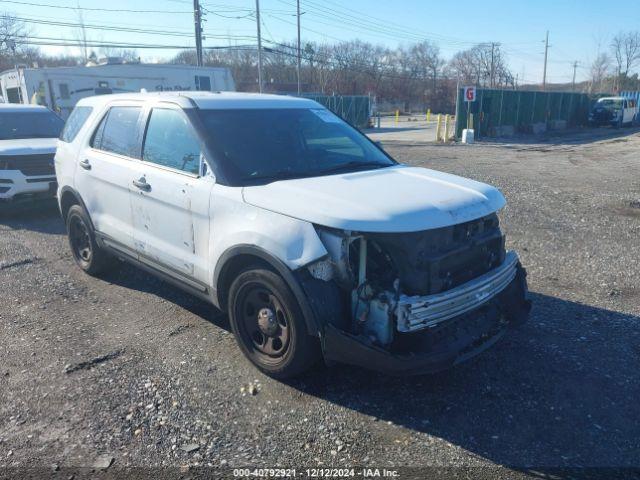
[[238, 258], [68, 198]]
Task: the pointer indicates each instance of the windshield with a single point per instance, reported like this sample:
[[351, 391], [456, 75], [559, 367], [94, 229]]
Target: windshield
[[263, 145], [42, 124], [609, 103]]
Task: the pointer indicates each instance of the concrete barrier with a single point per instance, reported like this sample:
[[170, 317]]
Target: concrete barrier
[[558, 125], [505, 131], [538, 128]]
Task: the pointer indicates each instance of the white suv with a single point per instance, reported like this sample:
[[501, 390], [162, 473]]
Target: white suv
[[315, 241], [28, 136]]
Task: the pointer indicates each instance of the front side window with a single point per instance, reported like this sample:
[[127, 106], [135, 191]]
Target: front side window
[[74, 123], [30, 124], [118, 132], [171, 142], [261, 145]]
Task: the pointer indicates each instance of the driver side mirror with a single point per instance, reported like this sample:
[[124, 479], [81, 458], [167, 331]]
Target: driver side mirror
[[379, 144]]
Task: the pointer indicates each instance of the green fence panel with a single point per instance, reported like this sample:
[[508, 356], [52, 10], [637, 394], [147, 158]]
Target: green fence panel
[[521, 110], [355, 109]]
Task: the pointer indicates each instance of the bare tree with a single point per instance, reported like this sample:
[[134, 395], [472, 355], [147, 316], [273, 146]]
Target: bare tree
[[476, 65], [12, 32], [625, 47], [80, 34], [600, 68], [626, 51]]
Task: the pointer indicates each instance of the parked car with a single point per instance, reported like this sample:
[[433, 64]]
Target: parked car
[[614, 111], [313, 239], [28, 137]]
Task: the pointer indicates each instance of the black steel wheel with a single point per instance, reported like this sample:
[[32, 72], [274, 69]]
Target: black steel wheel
[[86, 252], [263, 321], [79, 239], [268, 324]]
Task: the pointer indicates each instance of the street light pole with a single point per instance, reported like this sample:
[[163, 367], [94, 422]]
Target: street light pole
[[259, 47], [197, 16], [546, 54], [299, 52]]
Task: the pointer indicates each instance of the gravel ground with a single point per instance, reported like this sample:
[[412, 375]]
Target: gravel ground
[[127, 371]]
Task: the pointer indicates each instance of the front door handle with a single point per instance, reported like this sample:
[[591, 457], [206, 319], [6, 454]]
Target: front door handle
[[142, 184], [85, 164]]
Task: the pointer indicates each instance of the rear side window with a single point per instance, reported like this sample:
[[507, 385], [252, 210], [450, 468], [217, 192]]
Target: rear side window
[[118, 132], [74, 123], [170, 141]]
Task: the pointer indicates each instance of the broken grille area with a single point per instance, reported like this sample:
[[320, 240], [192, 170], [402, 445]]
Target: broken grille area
[[437, 260], [29, 165]]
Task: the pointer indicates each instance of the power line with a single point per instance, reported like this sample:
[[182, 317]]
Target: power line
[[171, 33], [65, 7], [62, 42], [376, 25]]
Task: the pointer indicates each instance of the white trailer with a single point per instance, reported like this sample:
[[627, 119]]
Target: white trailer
[[59, 88]]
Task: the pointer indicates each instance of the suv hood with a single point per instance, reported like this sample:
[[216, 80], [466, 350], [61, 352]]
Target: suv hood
[[28, 146], [394, 199]]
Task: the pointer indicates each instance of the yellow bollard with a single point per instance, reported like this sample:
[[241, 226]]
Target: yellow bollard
[[428, 114], [397, 116], [438, 126], [446, 128]]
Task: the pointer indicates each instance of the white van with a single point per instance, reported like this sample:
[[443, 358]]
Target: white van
[[614, 111]]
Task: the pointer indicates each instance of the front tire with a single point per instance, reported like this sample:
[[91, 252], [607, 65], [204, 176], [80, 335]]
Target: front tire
[[269, 325], [87, 254]]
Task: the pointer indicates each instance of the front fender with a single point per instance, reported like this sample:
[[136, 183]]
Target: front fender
[[285, 243], [292, 241]]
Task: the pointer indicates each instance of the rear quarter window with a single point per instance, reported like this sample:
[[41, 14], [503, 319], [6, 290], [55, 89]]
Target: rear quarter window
[[74, 123], [118, 132]]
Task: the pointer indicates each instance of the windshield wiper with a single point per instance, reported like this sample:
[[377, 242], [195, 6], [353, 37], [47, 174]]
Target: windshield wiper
[[279, 175], [353, 164]]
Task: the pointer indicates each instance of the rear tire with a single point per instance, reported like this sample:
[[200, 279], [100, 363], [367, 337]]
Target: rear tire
[[87, 254], [269, 325]]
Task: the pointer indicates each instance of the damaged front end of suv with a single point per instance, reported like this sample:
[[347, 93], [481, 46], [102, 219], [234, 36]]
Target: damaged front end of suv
[[415, 302]]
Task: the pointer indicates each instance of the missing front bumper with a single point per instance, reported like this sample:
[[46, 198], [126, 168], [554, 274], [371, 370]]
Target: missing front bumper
[[453, 341], [416, 313]]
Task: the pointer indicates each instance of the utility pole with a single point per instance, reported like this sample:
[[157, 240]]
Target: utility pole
[[259, 47], [299, 52], [493, 48], [573, 83], [197, 18], [546, 54]]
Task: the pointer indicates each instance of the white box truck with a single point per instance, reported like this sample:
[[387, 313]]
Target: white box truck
[[60, 88]]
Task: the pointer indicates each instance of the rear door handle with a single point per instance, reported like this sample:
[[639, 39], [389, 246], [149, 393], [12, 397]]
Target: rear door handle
[[85, 164], [142, 184]]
